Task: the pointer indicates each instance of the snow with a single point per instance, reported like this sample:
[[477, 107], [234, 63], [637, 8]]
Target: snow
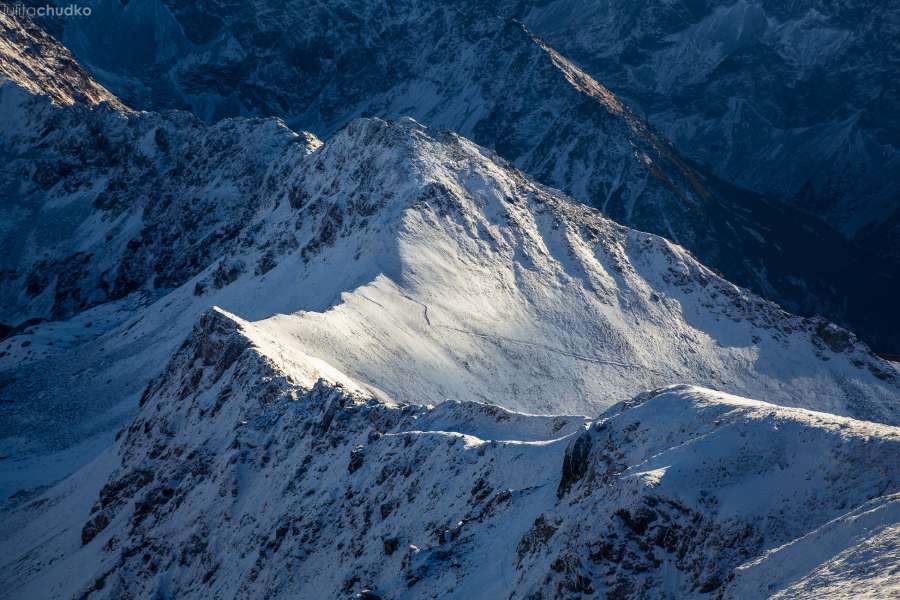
[[855, 555], [785, 101], [393, 358], [448, 276], [275, 454], [472, 308]]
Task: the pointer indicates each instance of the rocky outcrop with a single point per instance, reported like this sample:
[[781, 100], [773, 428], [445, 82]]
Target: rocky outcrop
[[32, 59]]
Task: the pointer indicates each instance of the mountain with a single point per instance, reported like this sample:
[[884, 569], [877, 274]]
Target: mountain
[[127, 226], [250, 472], [102, 203], [798, 100], [249, 362], [382, 226], [468, 66], [34, 61], [104, 212]]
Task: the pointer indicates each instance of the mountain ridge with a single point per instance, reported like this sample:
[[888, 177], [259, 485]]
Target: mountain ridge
[[750, 86], [469, 67], [326, 208], [247, 430], [31, 57]]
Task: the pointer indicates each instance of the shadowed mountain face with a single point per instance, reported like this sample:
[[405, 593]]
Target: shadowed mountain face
[[468, 67], [796, 99]]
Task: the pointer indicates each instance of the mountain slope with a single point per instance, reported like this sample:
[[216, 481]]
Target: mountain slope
[[36, 62], [458, 269], [106, 213], [468, 67], [251, 472], [533, 302], [102, 204], [797, 100], [458, 272]]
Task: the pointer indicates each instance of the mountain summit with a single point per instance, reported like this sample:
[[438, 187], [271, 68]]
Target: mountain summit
[[451, 262], [470, 66]]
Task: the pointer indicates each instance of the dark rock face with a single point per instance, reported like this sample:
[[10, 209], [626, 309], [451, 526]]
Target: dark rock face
[[837, 339], [391, 545], [357, 456], [93, 527], [575, 463], [796, 100]]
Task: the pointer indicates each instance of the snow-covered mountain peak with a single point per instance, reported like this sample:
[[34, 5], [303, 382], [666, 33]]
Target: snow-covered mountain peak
[[554, 105], [450, 262]]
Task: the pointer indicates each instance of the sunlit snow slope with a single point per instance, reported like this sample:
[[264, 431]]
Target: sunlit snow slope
[[250, 472]]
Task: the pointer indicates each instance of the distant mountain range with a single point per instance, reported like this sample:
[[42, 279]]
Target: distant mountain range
[[798, 100]]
